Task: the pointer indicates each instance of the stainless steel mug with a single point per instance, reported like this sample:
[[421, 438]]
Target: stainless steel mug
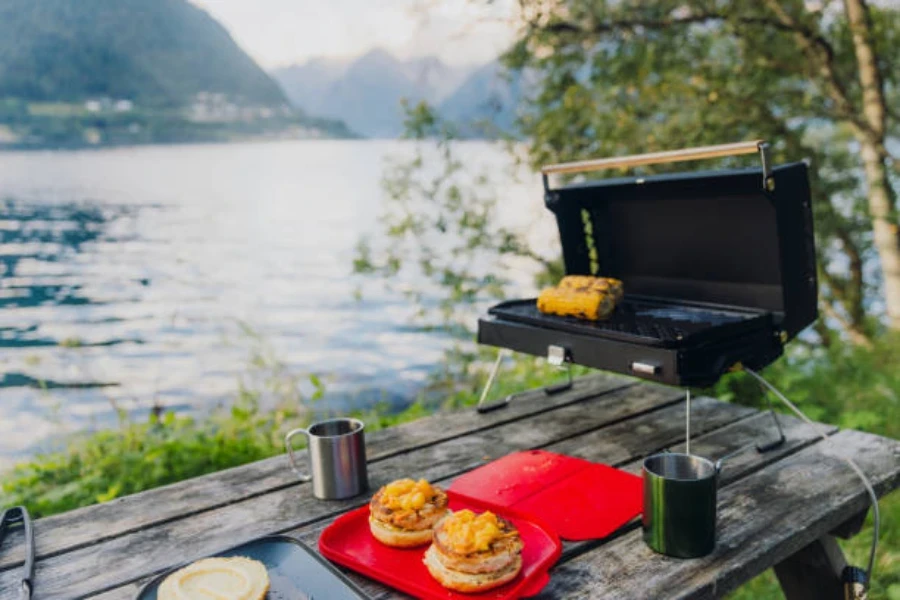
[[337, 457], [680, 504]]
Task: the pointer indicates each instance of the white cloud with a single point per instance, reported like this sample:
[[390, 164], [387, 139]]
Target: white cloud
[[279, 32]]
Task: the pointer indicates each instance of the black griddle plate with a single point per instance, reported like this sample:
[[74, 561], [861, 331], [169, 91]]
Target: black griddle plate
[[645, 321], [295, 572]]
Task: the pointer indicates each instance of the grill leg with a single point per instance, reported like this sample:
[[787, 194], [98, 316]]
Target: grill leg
[[497, 404], [486, 407], [561, 387], [780, 440]]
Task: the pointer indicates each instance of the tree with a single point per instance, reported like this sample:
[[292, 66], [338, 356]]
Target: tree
[[442, 232], [817, 79]]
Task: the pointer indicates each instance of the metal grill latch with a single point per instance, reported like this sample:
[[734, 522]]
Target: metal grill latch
[[645, 368]]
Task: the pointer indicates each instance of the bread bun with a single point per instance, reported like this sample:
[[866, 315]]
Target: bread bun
[[473, 553], [404, 512], [236, 578], [386, 534], [469, 582]]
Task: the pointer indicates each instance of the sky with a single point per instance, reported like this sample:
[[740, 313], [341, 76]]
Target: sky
[[282, 32]]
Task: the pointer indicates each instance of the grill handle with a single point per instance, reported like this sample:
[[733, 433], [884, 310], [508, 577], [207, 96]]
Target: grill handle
[[669, 156]]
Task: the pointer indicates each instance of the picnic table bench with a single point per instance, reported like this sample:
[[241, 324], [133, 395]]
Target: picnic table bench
[[778, 509]]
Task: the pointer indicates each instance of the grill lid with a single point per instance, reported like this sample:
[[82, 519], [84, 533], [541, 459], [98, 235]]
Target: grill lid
[[741, 238]]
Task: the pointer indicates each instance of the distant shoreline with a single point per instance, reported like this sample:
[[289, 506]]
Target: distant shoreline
[[242, 140], [197, 142]]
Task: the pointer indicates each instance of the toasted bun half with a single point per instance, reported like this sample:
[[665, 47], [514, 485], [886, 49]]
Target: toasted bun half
[[469, 582], [395, 537], [235, 578]]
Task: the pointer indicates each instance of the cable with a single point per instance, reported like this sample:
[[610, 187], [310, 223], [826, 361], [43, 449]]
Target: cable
[[876, 516]]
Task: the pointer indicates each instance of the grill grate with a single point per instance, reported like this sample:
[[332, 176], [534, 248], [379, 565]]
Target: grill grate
[[642, 321]]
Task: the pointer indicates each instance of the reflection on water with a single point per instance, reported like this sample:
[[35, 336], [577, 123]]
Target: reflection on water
[[130, 277], [36, 240], [33, 239]]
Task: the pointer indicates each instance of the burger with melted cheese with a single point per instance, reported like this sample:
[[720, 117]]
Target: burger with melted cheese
[[474, 552], [404, 512]]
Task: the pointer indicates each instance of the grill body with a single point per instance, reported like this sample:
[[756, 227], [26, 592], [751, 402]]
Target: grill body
[[718, 269]]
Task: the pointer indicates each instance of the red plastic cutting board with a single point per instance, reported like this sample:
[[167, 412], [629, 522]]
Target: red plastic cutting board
[[349, 542], [579, 499]]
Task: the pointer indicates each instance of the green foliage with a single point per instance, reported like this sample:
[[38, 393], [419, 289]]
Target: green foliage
[[431, 197], [619, 78], [107, 464], [852, 387]]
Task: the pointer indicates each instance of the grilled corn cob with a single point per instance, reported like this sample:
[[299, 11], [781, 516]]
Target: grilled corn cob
[[584, 303], [600, 284]]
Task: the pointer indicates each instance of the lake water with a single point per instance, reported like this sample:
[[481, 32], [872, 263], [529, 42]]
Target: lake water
[[147, 275]]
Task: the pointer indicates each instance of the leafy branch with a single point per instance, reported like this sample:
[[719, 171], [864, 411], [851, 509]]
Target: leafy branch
[[444, 246]]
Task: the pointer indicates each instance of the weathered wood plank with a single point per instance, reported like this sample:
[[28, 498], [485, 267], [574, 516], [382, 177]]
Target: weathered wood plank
[[814, 572], [617, 445], [128, 557], [763, 519], [92, 524]]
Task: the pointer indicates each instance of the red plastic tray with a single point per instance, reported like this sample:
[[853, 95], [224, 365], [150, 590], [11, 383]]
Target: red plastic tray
[[349, 542], [578, 499]]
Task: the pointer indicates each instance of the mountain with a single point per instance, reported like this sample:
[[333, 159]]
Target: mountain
[[485, 104], [306, 85], [152, 52], [436, 79], [366, 92], [367, 97]]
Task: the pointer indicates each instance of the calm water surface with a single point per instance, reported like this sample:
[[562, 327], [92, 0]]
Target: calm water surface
[[130, 277]]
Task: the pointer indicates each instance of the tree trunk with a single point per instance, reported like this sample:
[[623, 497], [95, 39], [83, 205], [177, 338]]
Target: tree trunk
[[856, 336], [886, 235]]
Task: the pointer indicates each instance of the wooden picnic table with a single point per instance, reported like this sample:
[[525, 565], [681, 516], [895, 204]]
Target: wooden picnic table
[[776, 509]]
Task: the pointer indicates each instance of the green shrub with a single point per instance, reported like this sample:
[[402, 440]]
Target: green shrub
[[99, 466]]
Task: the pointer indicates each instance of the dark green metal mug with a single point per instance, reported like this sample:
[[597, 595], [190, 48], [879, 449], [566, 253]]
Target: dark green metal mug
[[680, 504]]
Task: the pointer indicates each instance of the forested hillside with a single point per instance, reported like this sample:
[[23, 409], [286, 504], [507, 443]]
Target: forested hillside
[[153, 52]]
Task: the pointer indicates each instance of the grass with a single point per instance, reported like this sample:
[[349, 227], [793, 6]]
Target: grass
[[850, 387]]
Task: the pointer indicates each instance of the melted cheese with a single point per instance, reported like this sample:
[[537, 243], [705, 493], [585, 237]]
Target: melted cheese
[[406, 494], [468, 532]]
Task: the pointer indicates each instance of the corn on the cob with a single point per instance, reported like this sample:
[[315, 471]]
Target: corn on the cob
[[602, 284], [583, 303]]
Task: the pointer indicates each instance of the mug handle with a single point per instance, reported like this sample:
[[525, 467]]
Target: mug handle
[[740, 450], [291, 456]]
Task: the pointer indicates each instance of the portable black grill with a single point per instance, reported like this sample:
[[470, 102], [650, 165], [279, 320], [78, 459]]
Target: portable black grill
[[719, 268]]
